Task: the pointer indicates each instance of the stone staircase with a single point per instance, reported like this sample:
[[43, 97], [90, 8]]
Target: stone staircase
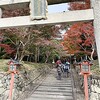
[[53, 89]]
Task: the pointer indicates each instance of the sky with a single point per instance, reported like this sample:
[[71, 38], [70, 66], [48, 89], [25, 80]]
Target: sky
[[58, 8]]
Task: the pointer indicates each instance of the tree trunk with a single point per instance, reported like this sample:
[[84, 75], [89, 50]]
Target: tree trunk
[[36, 54], [22, 54], [28, 58], [21, 58], [92, 54], [17, 52], [46, 58]]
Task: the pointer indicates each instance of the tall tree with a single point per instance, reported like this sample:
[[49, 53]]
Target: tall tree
[[80, 37]]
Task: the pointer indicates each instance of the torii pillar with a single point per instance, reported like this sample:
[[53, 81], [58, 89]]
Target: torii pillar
[[95, 4]]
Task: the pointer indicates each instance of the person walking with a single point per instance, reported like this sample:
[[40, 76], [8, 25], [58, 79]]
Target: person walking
[[59, 70], [66, 69]]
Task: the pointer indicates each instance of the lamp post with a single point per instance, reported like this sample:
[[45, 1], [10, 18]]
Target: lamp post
[[12, 71], [85, 71]]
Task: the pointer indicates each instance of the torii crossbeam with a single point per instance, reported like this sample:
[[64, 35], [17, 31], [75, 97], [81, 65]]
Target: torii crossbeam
[[69, 16]]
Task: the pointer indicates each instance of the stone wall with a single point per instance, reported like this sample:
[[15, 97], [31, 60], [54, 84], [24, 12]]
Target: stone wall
[[95, 88], [24, 83]]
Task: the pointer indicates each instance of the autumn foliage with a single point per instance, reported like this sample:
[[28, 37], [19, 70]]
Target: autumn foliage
[[25, 41], [7, 48], [80, 36], [85, 4]]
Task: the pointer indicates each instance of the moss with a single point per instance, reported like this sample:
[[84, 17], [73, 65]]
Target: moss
[[96, 71], [3, 65], [24, 65], [95, 68]]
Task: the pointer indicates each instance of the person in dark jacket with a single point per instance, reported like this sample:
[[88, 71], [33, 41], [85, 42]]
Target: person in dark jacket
[[66, 68], [59, 70]]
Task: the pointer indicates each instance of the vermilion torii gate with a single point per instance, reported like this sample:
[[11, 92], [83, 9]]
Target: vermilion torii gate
[[44, 18]]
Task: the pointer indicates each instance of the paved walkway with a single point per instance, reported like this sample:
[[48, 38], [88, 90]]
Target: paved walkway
[[53, 89]]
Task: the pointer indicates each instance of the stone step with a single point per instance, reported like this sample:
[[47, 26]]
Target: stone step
[[56, 82], [50, 97], [53, 93], [56, 90], [53, 89], [57, 85], [60, 85]]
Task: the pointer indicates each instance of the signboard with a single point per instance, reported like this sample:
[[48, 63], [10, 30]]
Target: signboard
[[85, 67], [38, 9]]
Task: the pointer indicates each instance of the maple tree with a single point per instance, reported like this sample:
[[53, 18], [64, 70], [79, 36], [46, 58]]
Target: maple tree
[[26, 41], [15, 12], [19, 39], [45, 41], [8, 41], [23, 38], [5, 49], [80, 36], [85, 4]]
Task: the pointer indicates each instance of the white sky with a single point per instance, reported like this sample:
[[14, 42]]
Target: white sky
[[58, 8]]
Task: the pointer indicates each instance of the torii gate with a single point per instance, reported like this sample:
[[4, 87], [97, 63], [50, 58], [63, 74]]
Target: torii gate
[[70, 16]]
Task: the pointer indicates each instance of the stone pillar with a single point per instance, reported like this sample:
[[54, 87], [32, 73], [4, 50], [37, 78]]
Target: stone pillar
[[95, 4], [11, 1], [0, 12]]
